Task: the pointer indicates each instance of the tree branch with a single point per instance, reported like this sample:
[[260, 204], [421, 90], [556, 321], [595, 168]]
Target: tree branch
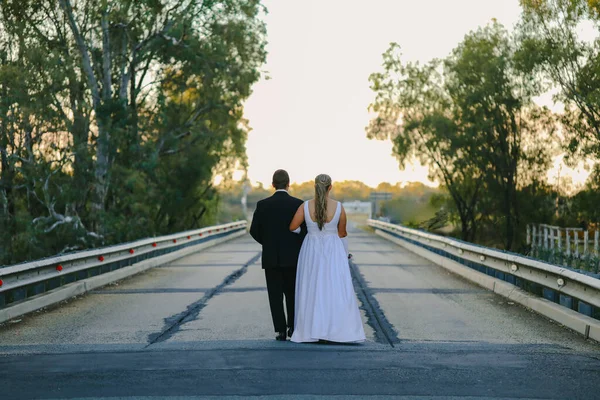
[[83, 52]]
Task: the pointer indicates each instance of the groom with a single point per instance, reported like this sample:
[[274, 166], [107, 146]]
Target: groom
[[270, 228]]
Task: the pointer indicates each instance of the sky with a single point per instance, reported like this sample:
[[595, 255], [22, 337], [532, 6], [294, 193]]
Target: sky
[[310, 116]]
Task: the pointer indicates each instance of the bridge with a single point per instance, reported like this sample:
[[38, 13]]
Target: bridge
[[187, 316]]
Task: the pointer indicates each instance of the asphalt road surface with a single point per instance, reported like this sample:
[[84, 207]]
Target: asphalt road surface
[[200, 328]]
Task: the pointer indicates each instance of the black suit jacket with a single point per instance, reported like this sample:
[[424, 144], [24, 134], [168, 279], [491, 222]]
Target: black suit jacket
[[271, 228]]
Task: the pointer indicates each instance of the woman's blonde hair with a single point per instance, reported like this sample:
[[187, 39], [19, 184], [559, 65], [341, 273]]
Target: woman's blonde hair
[[322, 184]]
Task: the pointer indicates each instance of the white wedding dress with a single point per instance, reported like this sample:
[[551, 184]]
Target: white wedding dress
[[326, 305]]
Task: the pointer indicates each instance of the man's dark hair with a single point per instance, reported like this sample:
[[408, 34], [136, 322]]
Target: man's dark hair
[[281, 179]]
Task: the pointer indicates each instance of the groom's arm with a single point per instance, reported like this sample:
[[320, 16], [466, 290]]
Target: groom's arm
[[255, 226], [303, 231]]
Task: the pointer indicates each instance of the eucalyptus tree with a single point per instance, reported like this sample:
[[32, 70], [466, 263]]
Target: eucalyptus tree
[[560, 42], [503, 132], [135, 105], [471, 119], [414, 110]]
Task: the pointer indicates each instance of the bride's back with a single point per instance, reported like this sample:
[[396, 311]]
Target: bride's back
[[331, 209], [322, 214], [332, 217]]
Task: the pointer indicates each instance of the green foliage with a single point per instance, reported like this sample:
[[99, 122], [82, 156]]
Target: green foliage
[[500, 125], [342, 191], [470, 118], [116, 115], [410, 203], [409, 211], [414, 110], [552, 47], [581, 209], [588, 263]]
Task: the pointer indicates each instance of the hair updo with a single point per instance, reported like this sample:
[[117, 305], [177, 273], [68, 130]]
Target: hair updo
[[322, 185]]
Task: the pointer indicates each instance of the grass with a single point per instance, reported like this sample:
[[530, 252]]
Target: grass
[[587, 262]]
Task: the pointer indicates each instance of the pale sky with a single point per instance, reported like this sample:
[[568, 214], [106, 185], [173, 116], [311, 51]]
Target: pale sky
[[310, 117]]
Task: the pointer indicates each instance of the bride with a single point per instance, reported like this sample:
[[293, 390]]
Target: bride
[[326, 306]]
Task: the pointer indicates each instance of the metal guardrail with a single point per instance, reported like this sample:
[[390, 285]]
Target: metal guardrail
[[576, 291], [23, 281]]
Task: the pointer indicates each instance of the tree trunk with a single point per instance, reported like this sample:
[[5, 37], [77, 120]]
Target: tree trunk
[[101, 169], [7, 219], [508, 207], [133, 111], [80, 132], [99, 100], [465, 225], [7, 212]]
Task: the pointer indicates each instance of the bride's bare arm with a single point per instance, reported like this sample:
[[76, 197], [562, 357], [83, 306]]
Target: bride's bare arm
[[298, 218], [342, 224]]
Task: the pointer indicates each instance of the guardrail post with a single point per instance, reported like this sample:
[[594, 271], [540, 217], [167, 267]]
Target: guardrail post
[[596, 239], [552, 238], [559, 240], [546, 238], [585, 242], [533, 239], [568, 242], [528, 234], [576, 244]]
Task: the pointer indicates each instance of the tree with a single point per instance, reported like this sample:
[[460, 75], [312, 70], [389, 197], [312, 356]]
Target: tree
[[553, 48], [497, 117], [584, 208], [471, 119], [413, 110], [118, 113]]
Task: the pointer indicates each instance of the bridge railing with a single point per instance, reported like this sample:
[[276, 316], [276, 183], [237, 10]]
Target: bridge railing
[[21, 285], [576, 291]]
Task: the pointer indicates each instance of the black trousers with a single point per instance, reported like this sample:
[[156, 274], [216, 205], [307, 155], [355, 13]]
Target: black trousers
[[280, 282]]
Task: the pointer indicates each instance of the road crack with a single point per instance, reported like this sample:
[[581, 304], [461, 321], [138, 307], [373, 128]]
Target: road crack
[[376, 319], [174, 323]]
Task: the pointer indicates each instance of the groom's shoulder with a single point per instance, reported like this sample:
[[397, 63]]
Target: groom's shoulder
[[263, 201], [296, 200], [266, 201]]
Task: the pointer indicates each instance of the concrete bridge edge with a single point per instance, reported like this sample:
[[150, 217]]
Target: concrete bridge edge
[[81, 287], [586, 326]]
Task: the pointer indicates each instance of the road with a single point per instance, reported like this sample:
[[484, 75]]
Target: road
[[200, 328]]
